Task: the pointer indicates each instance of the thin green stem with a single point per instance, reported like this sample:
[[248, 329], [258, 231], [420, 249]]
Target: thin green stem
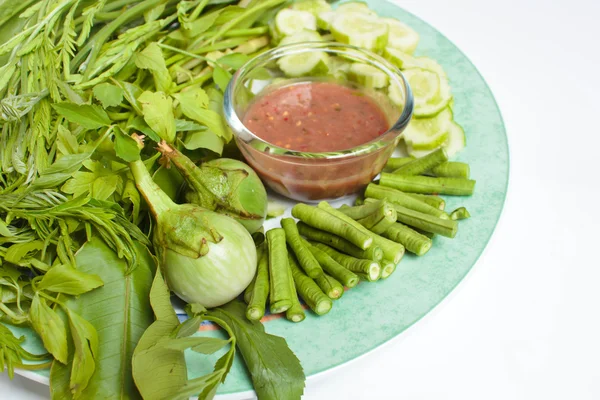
[[158, 201]]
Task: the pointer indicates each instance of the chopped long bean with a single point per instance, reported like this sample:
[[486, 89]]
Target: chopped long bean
[[387, 268], [330, 286], [412, 240], [249, 290], [460, 213], [423, 164], [296, 312], [428, 184], [306, 259], [310, 292], [260, 291], [432, 200], [379, 220], [429, 223], [370, 268], [397, 197], [335, 269], [280, 296], [326, 221], [395, 163], [452, 169], [372, 253]]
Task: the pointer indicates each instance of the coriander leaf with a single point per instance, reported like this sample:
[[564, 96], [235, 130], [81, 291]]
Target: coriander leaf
[[51, 328], [234, 60], [221, 77], [66, 279], [203, 140], [85, 339], [139, 125], [109, 95], [151, 58], [275, 370], [158, 114], [126, 147], [88, 116]]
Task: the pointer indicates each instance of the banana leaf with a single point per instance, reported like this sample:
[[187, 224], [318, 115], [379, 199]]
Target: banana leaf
[[120, 311]]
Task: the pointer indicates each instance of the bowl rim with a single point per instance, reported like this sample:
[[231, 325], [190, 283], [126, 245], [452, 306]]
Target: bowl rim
[[237, 126]]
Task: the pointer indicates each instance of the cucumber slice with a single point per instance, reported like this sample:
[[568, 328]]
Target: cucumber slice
[[314, 7], [438, 104], [360, 30], [356, 6], [457, 140], [396, 95], [399, 58], [430, 64], [302, 36], [339, 67], [368, 76], [425, 86], [401, 36], [428, 133], [288, 21], [302, 64], [324, 20]]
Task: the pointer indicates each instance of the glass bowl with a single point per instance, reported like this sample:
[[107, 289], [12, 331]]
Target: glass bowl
[[315, 176]]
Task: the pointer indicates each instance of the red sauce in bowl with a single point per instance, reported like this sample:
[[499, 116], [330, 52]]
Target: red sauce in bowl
[[316, 117]]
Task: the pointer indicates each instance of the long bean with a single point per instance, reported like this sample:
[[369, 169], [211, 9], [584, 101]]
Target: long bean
[[326, 221], [279, 271], [260, 291], [310, 292], [306, 259], [432, 200], [428, 184], [330, 286], [460, 213], [387, 268], [412, 240], [452, 169], [370, 268], [378, 221], [296, 312], [335, 269], [395, 163], [403, 199], [423, 164]]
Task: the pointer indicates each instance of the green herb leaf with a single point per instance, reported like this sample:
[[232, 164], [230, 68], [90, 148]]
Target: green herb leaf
[[183, 125], [276, 371], [221, 77], [66, 279], [85, 339], [203, 140], [194, 110], [158, 114], [88, 116], [126, 147], [234, 60], [109, 95], [204, 345], [131, 196], [66, 142], [51, 328], [151, 58], [189, 327], [131, 93], [139, 125], [20, 251], [4, 229]]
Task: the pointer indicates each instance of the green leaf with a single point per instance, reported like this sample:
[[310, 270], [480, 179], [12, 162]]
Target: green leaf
[[234, 60], [66, 142], [158, 114], [4, 229], [19, 251], [85, 340], [126, 147], [104, 186], [151, 58], [109, 95], [189, 327], [131, 196], [50, 327], [66, 279], [196, 97], [119, 311], [203, 140], [131, 93], [275, 370], [139, 125], [209, 118], [183, 125], [88, 116], [221, 77], [204, 345], [60, 171]]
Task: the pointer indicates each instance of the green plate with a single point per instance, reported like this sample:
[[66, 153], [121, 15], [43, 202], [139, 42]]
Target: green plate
[[373, 313]]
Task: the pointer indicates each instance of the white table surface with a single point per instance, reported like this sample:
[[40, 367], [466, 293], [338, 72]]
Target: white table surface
[[525, 323]]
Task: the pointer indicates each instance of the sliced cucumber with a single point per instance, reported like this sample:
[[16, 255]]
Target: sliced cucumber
[[302, 36], [324, 20], [355, 6], [360, 30], [288, 21], [439, 103], [368, 76], [428, 133], [314, 7], [457, 140], [339, 67], [396, 94], [302, 64], [425, 86], [399, 58], [401, 36]]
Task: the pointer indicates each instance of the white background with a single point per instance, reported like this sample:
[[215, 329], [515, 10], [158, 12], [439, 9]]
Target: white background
[[525, 323]]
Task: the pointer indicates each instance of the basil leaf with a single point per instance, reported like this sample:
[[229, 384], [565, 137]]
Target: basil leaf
[[51, 328], [158, 114], [276, 371], [85, 340], [107, 94], [126, 147], [88, 116], [65, 279], [234, 60]]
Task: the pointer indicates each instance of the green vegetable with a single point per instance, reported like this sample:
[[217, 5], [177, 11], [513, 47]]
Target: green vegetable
[[324, 220], [207, 258], [428, 185], [369, 268], [280, 292], [376, 217], [330, 286], [412, 240], [387, 268], [333, 268], [226, 186], [296, 312], [444, 227], [434, 201], [460, 213], [404, 199], [452, 169], [310, 292], [423, 164], [372, 253], [306, 259], [260, 290], [395, 163]]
